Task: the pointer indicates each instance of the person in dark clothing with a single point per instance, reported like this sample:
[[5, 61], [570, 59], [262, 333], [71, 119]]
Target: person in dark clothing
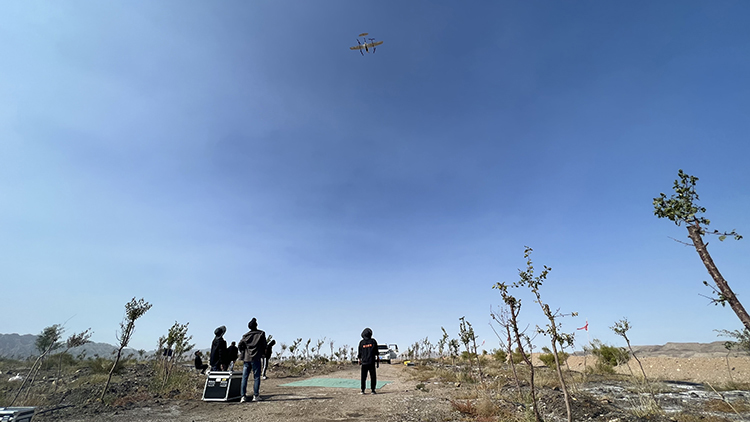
[[218, 350], [232, 354], [199, 365], [368, 359], [267, 357], [252, 348]]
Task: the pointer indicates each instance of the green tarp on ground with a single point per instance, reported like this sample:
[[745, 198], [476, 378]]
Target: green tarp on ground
[[332, 382]]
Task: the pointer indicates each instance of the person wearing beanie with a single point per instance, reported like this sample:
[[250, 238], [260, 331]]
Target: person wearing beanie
[[252, 348], [218, 350], [368, 359]]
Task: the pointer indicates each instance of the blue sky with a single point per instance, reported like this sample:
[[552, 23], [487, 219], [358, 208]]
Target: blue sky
[[229, 160]]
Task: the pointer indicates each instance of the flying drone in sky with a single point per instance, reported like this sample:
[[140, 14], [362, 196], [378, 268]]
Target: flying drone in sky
[[364, 46]]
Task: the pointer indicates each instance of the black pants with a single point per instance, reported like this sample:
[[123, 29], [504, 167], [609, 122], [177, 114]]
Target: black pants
[[373, 378]]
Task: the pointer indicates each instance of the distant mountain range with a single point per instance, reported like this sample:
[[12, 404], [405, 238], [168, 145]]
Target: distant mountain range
[[18, 346]]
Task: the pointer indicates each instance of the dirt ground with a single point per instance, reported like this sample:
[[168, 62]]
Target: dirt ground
[[713, 370], [401, 400], [397, 401]]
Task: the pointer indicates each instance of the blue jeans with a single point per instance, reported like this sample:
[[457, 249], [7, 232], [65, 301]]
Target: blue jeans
[[255, 364]]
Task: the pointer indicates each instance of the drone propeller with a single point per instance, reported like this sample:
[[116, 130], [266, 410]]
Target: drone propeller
[[363, 34]]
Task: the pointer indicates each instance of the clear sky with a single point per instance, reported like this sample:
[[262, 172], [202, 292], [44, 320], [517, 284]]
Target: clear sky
[[234, 159]]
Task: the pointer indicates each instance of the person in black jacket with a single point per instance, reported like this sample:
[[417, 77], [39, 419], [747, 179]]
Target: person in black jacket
[[368, 359], [252, 348], [232, 354], [199, 365], [267, 357], [218, 350]]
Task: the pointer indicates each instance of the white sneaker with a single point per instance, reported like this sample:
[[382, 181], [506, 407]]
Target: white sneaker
[[264, 377], [243, 399], [256, 398]]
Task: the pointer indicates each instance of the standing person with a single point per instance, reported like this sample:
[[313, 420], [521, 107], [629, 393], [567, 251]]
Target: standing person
[[218, 350], [232, 354], [199, 365], [252, 348], [267, 357], [368, 359]]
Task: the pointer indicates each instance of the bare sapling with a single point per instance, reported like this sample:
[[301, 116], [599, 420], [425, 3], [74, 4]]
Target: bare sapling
[[319, 347], [514, 308], [469, 339], [415, 350], [75, 340], [741, 343], [341, 353], [503, 320], [307, 349], [177, 344], [427, 348], [294, 348], [552, 329], [442, 344], [133, 310], [47, 341], [682, 208], [621, 328], [454, 347]]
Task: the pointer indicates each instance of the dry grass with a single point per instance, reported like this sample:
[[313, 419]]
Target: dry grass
[[644, 406], [691, 417], [729, 386], [716, 405], [137, 397], [484, 409]]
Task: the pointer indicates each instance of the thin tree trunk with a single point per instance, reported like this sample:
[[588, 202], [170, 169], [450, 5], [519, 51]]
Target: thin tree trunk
[[729, 371], [59, 369], [645, 379], [111, 371], [560, 377], [527, 359], [694, 232], [479, 365], [512, 364], [33, 378], [26, 378]]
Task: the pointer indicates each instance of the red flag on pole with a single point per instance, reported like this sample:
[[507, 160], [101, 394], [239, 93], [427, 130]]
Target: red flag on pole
[[585, 327]]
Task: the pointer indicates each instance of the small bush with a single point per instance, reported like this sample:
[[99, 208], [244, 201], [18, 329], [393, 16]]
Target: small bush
[[548, 359], [607, 357], [517, 356], [483, 408], [100, 365], [53, 362], [464, 406], [468, 356], [499, 355]]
